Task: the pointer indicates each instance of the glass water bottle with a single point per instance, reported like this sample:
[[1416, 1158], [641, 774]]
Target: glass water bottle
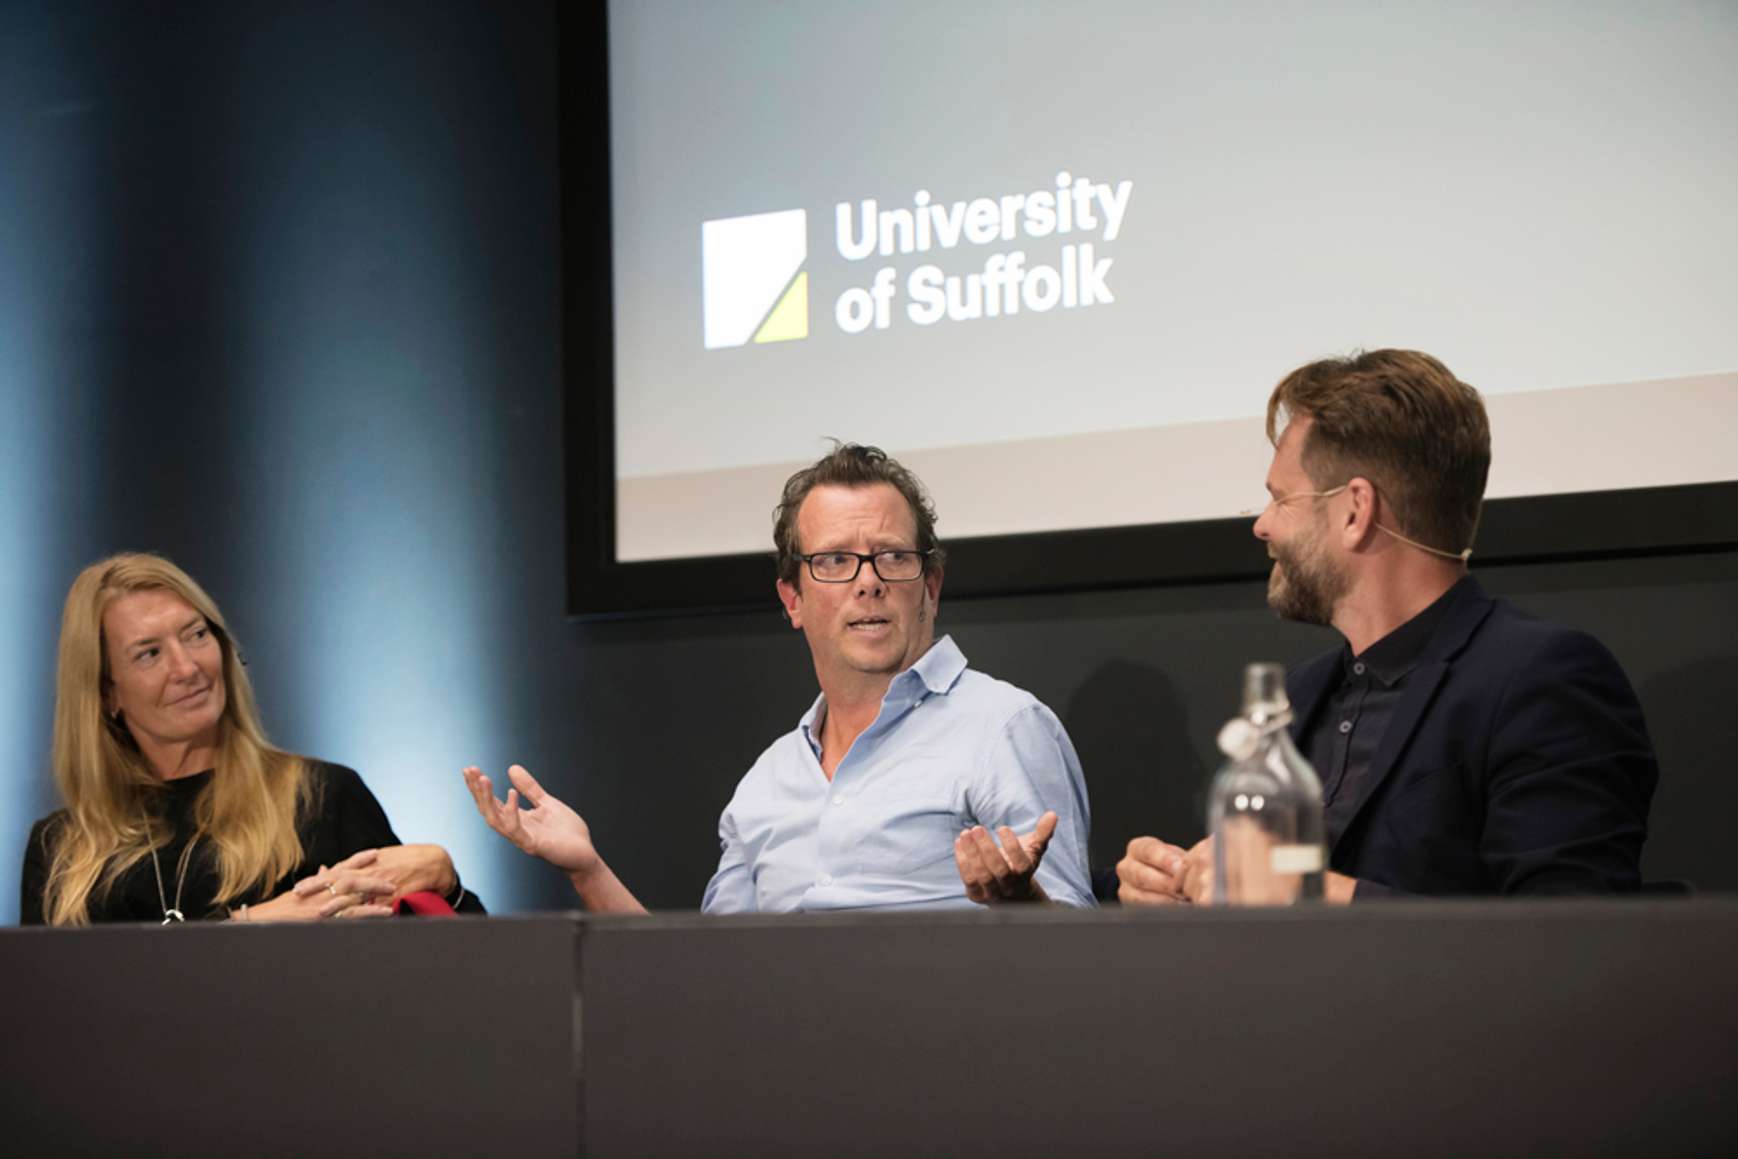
[[1265, 807]]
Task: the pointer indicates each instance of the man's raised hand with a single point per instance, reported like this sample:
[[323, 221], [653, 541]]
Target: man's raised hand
[[993, 873], [548, 829]]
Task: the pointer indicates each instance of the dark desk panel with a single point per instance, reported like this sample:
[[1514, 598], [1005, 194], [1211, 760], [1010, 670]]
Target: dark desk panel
[[346, 1038], [1580, 1028]]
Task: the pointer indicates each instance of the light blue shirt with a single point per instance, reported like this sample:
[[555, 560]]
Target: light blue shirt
[[950, 748]]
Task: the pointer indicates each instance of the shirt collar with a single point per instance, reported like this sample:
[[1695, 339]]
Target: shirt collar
[[1395, 655], [936, 671]]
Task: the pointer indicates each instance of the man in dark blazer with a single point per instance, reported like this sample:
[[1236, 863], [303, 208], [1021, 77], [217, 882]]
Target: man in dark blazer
[[1464, 747]]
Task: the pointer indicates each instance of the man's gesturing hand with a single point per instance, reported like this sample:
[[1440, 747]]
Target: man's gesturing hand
[[548, 829], [1003, 873]]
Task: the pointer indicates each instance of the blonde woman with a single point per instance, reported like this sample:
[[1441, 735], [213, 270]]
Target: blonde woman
[[176, 806]]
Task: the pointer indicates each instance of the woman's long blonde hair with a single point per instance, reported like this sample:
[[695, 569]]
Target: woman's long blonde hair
[[247, 814]]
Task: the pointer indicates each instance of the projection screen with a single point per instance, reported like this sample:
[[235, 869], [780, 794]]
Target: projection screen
[[1054, 256]]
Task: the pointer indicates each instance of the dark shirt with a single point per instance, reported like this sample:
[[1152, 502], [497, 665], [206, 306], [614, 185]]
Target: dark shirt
[[1346, 733], [342, 818]]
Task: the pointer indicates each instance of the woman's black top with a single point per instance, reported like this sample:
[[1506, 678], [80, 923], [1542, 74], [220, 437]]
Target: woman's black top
[[342, 817]]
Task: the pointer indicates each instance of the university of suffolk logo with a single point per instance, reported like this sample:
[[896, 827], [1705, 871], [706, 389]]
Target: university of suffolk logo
[[753, 284]]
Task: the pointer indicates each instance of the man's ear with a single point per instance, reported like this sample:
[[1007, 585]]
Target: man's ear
[[792, 599], [932, 589], [1361, 512]]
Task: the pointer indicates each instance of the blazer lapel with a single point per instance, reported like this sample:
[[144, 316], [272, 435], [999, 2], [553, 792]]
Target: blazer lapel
[[1472, 606]]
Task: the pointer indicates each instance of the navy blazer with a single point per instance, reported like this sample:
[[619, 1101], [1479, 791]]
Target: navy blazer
[[1517, 761]]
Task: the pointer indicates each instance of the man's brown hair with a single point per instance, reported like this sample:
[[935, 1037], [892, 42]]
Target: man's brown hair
[[852, 465], [1402, 420]]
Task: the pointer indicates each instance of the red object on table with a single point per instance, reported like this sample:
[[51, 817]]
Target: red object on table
[[424, 903]]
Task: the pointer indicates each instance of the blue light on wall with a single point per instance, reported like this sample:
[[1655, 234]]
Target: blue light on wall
[[26, 524], [44, 306], [370, 398]]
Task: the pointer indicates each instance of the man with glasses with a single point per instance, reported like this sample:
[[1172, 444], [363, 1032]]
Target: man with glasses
[[909, 781], [1464, 747]]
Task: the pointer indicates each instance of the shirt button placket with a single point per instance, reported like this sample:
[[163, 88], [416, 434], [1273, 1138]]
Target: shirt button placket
[[836, 799]]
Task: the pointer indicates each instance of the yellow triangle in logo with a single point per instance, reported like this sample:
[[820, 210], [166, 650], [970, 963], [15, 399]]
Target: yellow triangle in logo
[[790, 318]]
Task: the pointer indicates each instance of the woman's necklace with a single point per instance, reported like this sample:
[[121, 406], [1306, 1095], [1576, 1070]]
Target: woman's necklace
[[175, 914]]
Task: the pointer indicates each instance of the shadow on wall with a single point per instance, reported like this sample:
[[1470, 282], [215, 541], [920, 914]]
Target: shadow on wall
[[1132, 733], [1695, 734]]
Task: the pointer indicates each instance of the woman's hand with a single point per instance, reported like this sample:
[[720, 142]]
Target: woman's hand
[[349, 889], [410, 868]]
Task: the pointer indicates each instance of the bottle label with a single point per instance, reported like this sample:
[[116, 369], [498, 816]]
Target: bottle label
[[1297, 859]]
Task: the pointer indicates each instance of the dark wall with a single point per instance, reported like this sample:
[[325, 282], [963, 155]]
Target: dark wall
[[279, 296]]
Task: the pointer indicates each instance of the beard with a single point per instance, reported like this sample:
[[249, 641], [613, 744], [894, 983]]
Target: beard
[[1304, 584]]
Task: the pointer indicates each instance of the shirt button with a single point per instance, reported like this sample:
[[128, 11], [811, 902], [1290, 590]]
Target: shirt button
[[1358, 668], [838, 800], [1345, 726], [826, 879]]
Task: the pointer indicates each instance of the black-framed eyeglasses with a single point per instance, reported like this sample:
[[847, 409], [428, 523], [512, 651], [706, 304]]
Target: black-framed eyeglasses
[[841, 567]]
